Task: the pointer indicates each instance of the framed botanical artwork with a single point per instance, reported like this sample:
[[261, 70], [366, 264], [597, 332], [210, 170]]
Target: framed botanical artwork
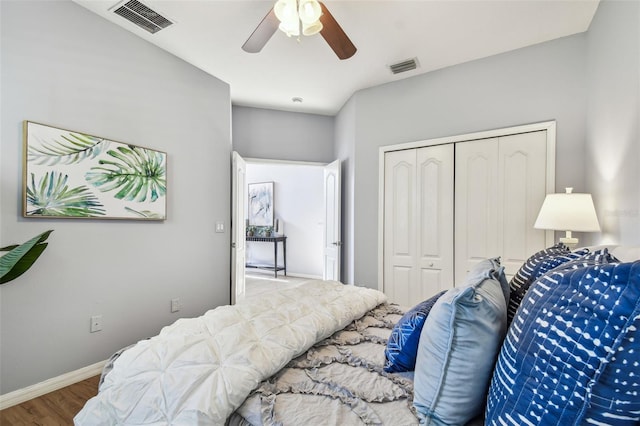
[[260, 208], [69, 174]]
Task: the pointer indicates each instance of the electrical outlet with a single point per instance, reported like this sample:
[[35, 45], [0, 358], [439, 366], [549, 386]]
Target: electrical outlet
[[175, 305], [96, 323]]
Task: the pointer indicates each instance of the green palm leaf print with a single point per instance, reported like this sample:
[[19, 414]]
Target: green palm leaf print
[[136, 173], [72, 148], [53, 197]]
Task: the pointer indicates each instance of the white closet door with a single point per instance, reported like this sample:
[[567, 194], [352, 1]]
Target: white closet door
[[476, 197], [418, 223], [400, 226], [522, 177], [435, 219], [500, 186]]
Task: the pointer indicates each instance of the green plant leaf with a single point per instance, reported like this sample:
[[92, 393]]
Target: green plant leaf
[[148, 214], [136, 173], [20, 258], [73, 148], [52, 197]]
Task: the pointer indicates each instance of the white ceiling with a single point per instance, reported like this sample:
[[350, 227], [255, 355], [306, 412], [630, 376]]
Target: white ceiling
[[439, 33]]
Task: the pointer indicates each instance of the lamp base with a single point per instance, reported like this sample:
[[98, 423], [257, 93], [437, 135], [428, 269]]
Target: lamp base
[[569, 242]]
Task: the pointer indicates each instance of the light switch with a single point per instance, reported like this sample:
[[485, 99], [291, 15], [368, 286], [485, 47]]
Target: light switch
[[219, 226]]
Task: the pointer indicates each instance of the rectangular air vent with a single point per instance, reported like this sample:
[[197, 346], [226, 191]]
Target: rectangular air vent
[[141, 15], [404, 66]]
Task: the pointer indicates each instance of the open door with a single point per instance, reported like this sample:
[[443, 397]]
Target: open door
[[332, 221], [238, 242]]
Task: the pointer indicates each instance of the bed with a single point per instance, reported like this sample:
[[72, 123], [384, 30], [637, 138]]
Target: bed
[[213, 369], [325, 353]]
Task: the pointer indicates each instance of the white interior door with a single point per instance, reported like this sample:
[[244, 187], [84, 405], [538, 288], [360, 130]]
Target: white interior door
[[500, 185], [400, 226], [476, 198], [238, 242], [418, 223], [332, 221], [434, 227], [522, 176]]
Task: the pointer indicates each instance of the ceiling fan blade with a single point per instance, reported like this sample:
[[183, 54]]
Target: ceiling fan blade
[[263, 32], [334, 35]]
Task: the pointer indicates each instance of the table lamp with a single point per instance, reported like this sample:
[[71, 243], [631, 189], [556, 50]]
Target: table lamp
[[568, 212]]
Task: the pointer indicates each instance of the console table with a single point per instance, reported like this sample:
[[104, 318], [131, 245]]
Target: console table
[[275, 241]]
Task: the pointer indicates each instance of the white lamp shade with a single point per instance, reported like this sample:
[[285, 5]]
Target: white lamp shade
[[309, 11], [311, 29], [290, 28], [568, 212], [285, 10]]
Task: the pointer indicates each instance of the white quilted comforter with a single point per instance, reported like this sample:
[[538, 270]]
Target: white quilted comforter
[[198, 371]]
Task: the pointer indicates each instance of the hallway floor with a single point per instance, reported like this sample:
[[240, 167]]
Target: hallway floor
[[258, 284]]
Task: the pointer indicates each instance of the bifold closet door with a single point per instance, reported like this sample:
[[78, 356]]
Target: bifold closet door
[[500, 185], [522, 176], [418, 223]]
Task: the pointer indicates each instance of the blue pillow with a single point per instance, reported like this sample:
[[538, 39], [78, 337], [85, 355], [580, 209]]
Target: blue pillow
[[572, 354], [458, 347], [598, 257], [402, 346], [533, 268]]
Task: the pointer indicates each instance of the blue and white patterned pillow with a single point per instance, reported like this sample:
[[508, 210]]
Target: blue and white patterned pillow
[[572, 354], [598, 257], [533, 268], [402, 346]]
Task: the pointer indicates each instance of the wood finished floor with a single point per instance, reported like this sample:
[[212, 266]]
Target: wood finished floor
[[53, 409]]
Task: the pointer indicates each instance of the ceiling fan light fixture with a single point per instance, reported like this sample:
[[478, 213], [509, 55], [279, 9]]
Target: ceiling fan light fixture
[[294, 14], [311, 29], [285, 10], [309, 11], [290, 28], [285, 15]]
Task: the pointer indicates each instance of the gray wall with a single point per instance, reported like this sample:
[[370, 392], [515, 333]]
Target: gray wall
[[538, 83], [345, 138], [613, 115], [64, 66], [281, 135]]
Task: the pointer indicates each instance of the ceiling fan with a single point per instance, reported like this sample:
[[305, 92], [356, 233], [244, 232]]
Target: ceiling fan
[[301, 16]]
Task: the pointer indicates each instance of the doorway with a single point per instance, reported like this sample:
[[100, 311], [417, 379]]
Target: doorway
[[306, 204]]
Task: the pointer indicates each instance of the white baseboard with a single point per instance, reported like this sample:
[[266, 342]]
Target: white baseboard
[[25, 394], [266, 272], [299, 275]]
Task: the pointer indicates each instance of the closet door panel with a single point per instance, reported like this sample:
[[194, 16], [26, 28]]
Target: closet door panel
[[404, 288], [399, 226], [476, 198], [435, 167], [522, 177], [433, 281]]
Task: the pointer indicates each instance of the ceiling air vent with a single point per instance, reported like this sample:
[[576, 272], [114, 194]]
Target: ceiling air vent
[[404, 66], [141, 15]]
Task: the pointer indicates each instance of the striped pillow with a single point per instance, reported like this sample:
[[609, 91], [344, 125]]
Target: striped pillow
[[534, 267], [402, 346], [572, 354]]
